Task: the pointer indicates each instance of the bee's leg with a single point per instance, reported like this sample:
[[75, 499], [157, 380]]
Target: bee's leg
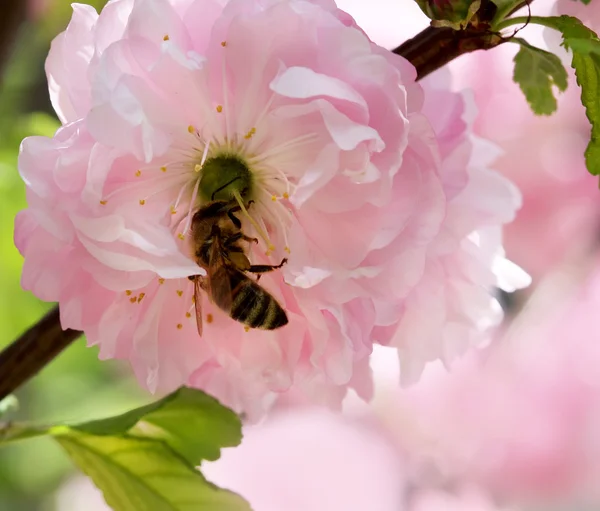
[[259, 269], [233, 218], [249, 239]]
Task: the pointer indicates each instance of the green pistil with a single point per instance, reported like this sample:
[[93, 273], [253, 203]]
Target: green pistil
[[221, 176]]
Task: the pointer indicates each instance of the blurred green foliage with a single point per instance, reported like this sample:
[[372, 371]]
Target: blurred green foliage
[[76, 386]]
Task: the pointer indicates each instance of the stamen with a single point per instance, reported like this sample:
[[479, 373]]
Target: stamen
[[128, 292], [251, 132], [161, 281], [133, 299], [209, 318], [219, 108], [142, 202], [191, 129], [188, 314], [103, 202], [188, 221], [181, 236], [247, 328], [260, 232], [164, 169], [138, 173], [180, 292], [223, 43], [286, 195], [166, 37], [141, 297], [179, 326], [204, 154], [197, 167]]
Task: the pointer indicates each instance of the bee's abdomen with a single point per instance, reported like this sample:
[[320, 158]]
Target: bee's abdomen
[[255, 307]]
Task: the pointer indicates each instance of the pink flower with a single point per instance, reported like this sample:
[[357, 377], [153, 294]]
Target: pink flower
[[389, 221], [521, 420]]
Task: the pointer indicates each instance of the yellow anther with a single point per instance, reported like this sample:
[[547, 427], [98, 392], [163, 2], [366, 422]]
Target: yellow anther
[[209, 318], [164, 169], [138, 173], [219, 108], [166, 38], [247, 328], [191, 129], [141, 297], [142, 202], [197, 167], [103, 202], [223, 43], [173, 210], [287, 249], [179, 326], [286, 195], [188, 314], [180, 292], [268, 253], [128, 292], [250, 133], [273, 198], [133, 299], [181, 236], [161, 281]]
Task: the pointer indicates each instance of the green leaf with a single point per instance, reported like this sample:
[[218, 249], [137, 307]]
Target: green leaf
[[138, 474], [176, 420], [585, 47], [536, 71], [146, 458]]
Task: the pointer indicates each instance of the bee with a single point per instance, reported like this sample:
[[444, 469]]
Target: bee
[[218, 239]]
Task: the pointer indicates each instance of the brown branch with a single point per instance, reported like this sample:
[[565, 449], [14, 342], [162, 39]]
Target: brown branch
[[427, 51], [33, 350], [13, 14], [435, 47]]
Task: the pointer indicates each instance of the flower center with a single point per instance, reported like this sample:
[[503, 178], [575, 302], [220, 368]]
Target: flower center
[[224, 175]]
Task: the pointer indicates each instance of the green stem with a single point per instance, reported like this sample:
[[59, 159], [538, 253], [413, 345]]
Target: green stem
[[524, 20]]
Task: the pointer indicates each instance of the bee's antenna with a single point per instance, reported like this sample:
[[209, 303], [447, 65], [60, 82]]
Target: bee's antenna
[[212, 197], [260, 232]]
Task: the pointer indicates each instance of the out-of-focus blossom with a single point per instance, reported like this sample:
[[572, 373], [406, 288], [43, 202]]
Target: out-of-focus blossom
[[521, 420], [381, 198], [462, 499], [312, 460]]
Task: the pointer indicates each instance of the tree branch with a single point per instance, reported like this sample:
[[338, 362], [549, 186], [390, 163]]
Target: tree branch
[[435, 47], [33, 350], [427, 51]]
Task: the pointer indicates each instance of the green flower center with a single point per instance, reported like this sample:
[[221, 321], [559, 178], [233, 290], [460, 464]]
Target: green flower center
[[224, 175]]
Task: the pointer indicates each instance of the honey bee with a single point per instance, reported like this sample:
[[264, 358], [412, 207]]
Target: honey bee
[[218, 238]]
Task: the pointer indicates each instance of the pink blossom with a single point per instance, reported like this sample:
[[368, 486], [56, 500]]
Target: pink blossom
[[520, 420], [372, 188], [309, 459]]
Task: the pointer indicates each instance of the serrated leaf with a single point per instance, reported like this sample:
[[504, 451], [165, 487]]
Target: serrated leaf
[[585, 47], [536, 72], [139, 474]]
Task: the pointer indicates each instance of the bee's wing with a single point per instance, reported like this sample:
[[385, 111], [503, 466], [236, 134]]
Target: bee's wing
[[198, 303], [218, 278]]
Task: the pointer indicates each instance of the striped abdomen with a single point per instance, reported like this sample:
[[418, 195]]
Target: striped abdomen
[[253, 305]]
